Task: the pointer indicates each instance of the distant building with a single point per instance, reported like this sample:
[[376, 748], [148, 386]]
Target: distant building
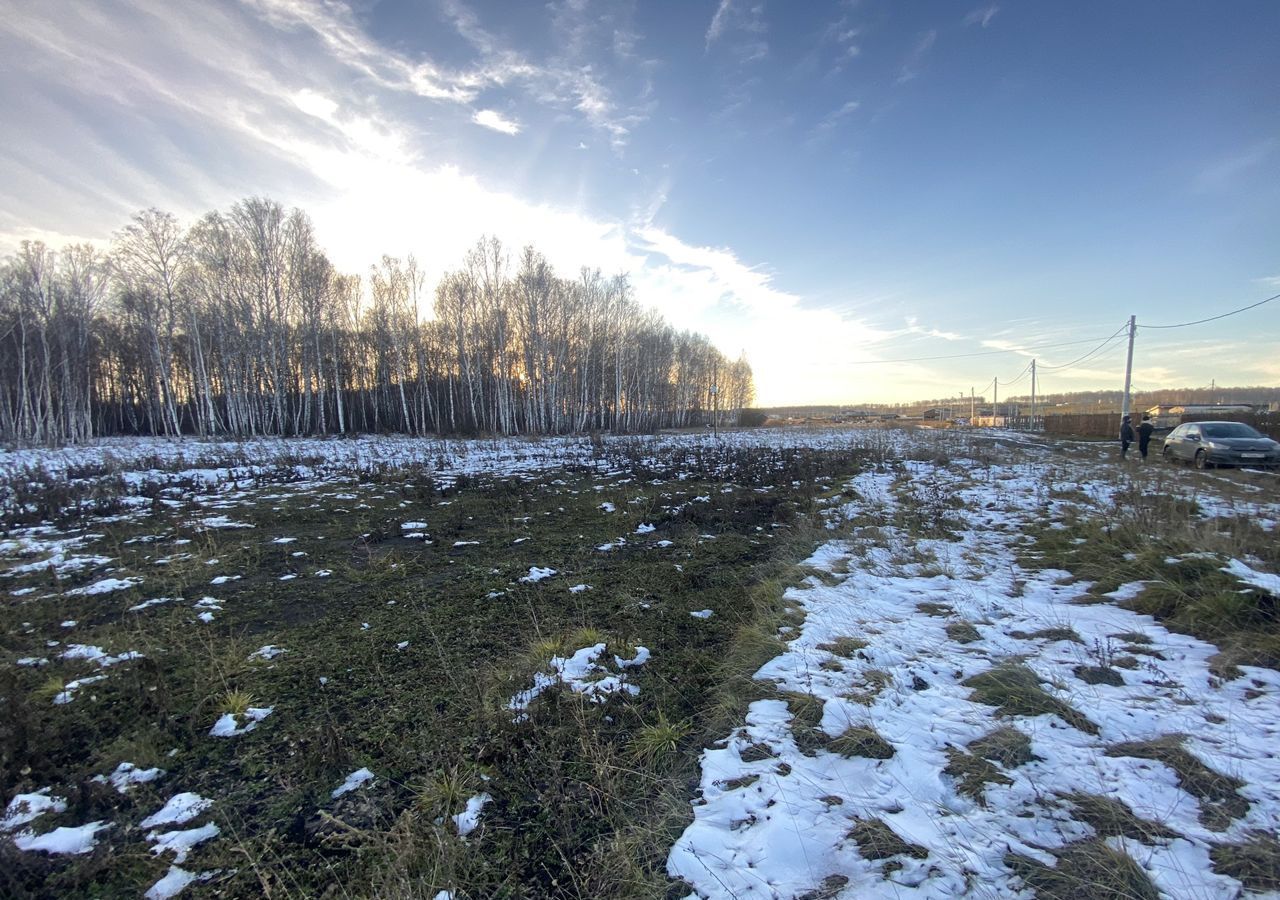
[[1169, 415]]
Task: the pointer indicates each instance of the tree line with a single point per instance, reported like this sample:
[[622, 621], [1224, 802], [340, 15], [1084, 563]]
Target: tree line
[[241, 326]]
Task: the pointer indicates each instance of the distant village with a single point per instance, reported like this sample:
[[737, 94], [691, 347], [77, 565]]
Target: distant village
[[1167, 409]]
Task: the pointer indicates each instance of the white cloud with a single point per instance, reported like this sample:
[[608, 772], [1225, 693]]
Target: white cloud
[[718, 21], [833, 118], [915, 58], [982, 15], [492, 119], [1222, 172], [745, 21]]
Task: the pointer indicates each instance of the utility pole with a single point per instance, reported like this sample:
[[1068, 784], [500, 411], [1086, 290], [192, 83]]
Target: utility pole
[[972, 408], [1033, 395], [995, 400], [1128, 367]]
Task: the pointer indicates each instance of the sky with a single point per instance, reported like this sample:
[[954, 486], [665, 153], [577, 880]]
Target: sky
[[843, 191]]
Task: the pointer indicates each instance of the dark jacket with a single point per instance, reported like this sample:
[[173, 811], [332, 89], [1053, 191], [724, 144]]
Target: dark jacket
[[1126, 431], [1144, 433]]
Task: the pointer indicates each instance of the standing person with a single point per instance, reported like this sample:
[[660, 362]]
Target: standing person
[[1144, 436], [1126, 437]]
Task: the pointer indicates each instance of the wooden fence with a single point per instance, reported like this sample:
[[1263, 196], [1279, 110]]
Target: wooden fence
[[1084, 424], [1108, 424]]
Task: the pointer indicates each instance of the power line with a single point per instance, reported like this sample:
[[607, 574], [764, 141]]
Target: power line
[[1023, 374], [1216, 318], [1096, 349], [868, 362]]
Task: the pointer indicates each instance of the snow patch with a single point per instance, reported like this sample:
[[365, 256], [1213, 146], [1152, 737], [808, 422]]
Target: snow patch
[[356, 779]]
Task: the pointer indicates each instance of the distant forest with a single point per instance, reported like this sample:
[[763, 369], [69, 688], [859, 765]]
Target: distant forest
[[1073, 402], [241, 326]]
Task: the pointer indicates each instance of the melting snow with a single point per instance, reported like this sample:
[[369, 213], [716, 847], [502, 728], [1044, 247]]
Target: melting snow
[[356, 779], [467, 820], [1264, 580], [81, 839], [179, 809], [127, 775], [172, 884], [229, 726], [24, 808], [181, 842], [583, 674], [105, 586]]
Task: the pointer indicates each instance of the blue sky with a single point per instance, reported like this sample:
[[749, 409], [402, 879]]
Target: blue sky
[[830, 187]]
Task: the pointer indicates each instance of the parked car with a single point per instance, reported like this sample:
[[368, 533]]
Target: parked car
[[1220, 444]]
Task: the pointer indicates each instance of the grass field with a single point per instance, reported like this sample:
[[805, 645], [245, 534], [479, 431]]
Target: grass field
[[862, 663]]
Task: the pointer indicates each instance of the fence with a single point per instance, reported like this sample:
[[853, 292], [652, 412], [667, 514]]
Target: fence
[[1108, 424], [1083, 424]]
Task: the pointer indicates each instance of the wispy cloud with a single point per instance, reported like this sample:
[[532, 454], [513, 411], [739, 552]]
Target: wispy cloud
[[914, 327], [914, 63], [337, 28], [495, 120], [833, 118], [561, 82], [718, 22], [742, 26], [843, 36], [1223, 171], [982, 16]]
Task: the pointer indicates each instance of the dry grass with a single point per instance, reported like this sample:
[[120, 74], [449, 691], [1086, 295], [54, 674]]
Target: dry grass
[[973, 774], [843, 646], [940, 610], [1219, 801], [1015, 691], [1099, 675], [1007, 746], [876, 840], [861, 741], [1111, 818], [1255, 863], [1086, 869], [1059, 633], [963, 633]]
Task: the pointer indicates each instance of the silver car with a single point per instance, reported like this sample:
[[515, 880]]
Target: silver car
[[1220, 444]]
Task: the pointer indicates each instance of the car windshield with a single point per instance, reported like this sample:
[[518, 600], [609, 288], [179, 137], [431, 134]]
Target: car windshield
[[1229, 430]]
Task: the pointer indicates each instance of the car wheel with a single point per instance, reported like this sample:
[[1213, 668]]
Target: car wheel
[[1202, 459], [1167, 455]]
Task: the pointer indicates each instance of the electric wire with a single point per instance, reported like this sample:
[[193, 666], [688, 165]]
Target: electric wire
[[1021, 375], [868, 362], [1096, 349], [1216, 318]]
